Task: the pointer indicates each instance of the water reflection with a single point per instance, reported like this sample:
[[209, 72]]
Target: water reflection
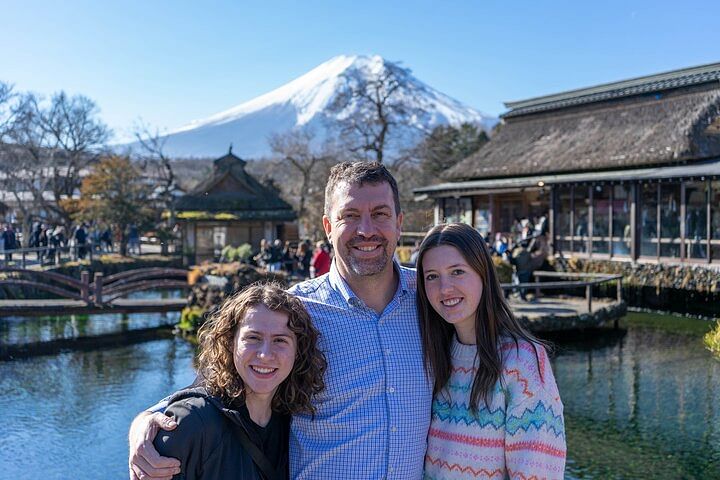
[[641, 403], [66, 416], [28, 330]]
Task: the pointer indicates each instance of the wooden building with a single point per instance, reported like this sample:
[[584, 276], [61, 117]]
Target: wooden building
[[232, 208], [627, 170]]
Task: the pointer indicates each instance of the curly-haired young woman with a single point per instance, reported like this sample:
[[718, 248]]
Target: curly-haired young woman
[[258, 363]]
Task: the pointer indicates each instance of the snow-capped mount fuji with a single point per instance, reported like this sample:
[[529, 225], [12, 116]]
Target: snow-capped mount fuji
[[304, 103]]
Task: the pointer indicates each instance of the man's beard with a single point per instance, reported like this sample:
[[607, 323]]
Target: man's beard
[[370, 266]]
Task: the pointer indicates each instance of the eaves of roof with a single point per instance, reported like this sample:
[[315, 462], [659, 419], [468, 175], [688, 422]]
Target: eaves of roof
[[636, 86], [707, 169]]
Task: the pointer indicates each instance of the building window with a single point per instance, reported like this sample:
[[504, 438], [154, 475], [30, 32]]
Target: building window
[[670, 220], [648, 220], [696, 197], [601, 219], [482, 215], [457, 210], [563, 219], [621, 231], [715, 219], [581, 202]]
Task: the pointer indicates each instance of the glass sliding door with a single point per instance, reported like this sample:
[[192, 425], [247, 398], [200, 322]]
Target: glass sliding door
[[482, 215], [696, 198], [563, 218], [581, 201], [622, 230], [715, 220], [670, 220], [601, 219], [648, 220]]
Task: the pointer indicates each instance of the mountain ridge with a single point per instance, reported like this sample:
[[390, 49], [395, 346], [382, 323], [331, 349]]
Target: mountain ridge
[[303, 103]]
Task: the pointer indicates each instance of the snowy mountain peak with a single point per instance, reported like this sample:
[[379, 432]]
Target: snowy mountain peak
[[304, 102]]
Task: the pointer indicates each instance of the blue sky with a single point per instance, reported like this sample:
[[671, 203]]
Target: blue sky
[[170, 62]]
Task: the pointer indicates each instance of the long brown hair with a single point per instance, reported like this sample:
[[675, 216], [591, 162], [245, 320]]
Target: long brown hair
[[217, 335], [493, 317]]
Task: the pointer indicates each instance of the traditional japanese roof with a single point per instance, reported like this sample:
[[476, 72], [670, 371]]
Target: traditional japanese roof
[[666, 119], [234, 194]]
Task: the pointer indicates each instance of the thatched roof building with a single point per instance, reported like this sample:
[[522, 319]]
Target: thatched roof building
[[230, 190], [633, 133], [232, 208]]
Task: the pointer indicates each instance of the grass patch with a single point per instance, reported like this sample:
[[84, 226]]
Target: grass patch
[[667, 322], [712, 340]]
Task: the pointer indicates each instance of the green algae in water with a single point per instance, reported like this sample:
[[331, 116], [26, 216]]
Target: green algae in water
[[670, 323]]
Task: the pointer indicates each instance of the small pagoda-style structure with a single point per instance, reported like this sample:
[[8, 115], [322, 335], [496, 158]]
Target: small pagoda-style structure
[[232, 208]]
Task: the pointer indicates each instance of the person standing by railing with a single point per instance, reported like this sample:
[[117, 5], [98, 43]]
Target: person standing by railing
[[80, 240], [9, 241]]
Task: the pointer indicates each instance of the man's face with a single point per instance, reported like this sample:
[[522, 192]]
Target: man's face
[[363, 228]]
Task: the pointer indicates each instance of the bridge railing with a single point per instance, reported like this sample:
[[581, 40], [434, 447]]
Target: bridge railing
[[102, 290], [50, 255], [578, 280]]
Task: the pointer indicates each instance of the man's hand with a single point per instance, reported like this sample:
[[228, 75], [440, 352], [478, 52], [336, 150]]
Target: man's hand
[[145, 462]]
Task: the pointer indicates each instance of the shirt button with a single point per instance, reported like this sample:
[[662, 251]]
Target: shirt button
[[387, 351], [393, 429], [391, 469], [391, 389]]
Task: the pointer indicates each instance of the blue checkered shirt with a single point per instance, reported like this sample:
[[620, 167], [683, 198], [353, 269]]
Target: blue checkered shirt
[[372, 420]]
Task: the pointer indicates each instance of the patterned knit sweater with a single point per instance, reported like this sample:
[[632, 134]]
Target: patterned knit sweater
[[522, 434]]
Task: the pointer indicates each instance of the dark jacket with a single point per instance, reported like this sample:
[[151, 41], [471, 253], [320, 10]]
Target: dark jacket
[[206, 440]]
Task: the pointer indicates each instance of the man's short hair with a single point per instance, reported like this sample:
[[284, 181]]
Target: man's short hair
[[359, 173]]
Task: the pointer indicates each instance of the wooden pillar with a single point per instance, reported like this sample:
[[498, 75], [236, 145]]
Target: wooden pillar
[[708, 220], [437, 210], [588, 297], [611, 233], [551, 217], [491, 213], [591, 220], [634, 231], [658, 220], [85, 289], [683, 226], [572, 218], [98, 288]]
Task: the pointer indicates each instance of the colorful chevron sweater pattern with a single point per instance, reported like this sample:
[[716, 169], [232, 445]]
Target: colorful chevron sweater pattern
[[521, 435]]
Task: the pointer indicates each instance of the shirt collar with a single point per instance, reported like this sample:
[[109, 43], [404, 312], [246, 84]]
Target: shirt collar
[[340, 285]]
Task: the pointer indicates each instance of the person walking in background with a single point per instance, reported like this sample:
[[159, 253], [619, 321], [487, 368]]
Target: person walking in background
[[263, 257], [9, 240], [276, 254], [106, 240], [320, 262], [303, 257], [81, 240], [133, 240], [288, 258], [493, 379]]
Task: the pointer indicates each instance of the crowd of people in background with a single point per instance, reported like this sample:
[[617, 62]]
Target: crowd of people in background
[[525, 247], [299, 259], [47, 240]]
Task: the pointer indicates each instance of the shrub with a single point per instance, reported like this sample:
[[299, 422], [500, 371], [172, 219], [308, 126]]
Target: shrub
[[233, 254], [712, 340], [190, 320], [243, 252], [503, 268]]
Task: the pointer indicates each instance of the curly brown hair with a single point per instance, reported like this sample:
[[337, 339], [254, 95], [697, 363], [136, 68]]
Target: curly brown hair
[[217, 336]]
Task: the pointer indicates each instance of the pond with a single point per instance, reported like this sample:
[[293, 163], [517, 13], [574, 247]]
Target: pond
[[640, 402]]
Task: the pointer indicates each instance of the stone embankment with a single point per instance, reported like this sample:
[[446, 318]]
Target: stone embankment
[[698, 278], [212, 283]]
